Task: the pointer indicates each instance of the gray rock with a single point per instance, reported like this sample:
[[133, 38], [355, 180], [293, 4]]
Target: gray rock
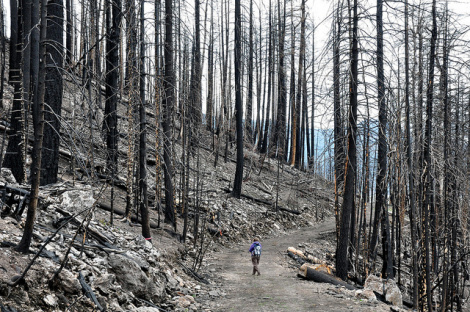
[[365, 294], [133, 279], [393, 293], [214, 293], [183, 301], [104, 283], [50, 300], [146, 309], [172, 282], [6, 177], [374, 283], [387, 288], [69, 282], [72, 200]]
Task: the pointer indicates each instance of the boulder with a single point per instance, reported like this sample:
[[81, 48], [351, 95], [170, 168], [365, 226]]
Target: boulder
[[374, 283], [81, 199], [387, 288], [132, 278], [365, 294], [393, 293], [69, 282]]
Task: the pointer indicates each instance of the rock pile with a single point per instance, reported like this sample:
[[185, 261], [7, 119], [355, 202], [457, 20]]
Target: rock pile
[[126, 274]]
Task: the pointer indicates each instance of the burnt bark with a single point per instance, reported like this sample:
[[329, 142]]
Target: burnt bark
[[53, 95]]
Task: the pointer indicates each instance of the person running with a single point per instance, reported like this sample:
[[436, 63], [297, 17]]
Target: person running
[[255, 250]]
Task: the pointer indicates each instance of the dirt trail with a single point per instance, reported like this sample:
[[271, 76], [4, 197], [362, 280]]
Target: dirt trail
[[278, 288]]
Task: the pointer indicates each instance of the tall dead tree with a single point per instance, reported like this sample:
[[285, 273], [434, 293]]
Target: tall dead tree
[[279, 134], [311, 152], [131, 83], [426, 175], [249, 103], [14, 155], [69, 32], [113, 24], [38, 60], [301, 85], [210, 76], [53, 96], [195, 88], [381, 208], [342, 250], [144, 204], [411, 192], [168, 102], [237, 184], [264, 145], [338, 128], [292, 116]]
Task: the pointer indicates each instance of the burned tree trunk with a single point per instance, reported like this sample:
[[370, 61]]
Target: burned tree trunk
[[53, 96]]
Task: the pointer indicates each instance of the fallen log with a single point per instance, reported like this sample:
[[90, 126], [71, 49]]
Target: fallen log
[[298, 259], [194, 274], [296, 212], [265, 202], [120, 212], [308, 258], [88, 291], [102, 239], [319, 277]]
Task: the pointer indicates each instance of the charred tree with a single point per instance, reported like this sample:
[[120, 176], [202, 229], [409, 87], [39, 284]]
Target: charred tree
[[426, 175], [144, 203], [279, 134], [342, 250], [409, 158], [338, 128], [53, 95], [168, 102], [14, 155], [38, 124], [264, 145], [381, 185], [113, 23], [195, 88], [237, 184], [249, 103]]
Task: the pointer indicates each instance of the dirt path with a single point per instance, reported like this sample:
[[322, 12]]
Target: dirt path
[[278, 288]]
